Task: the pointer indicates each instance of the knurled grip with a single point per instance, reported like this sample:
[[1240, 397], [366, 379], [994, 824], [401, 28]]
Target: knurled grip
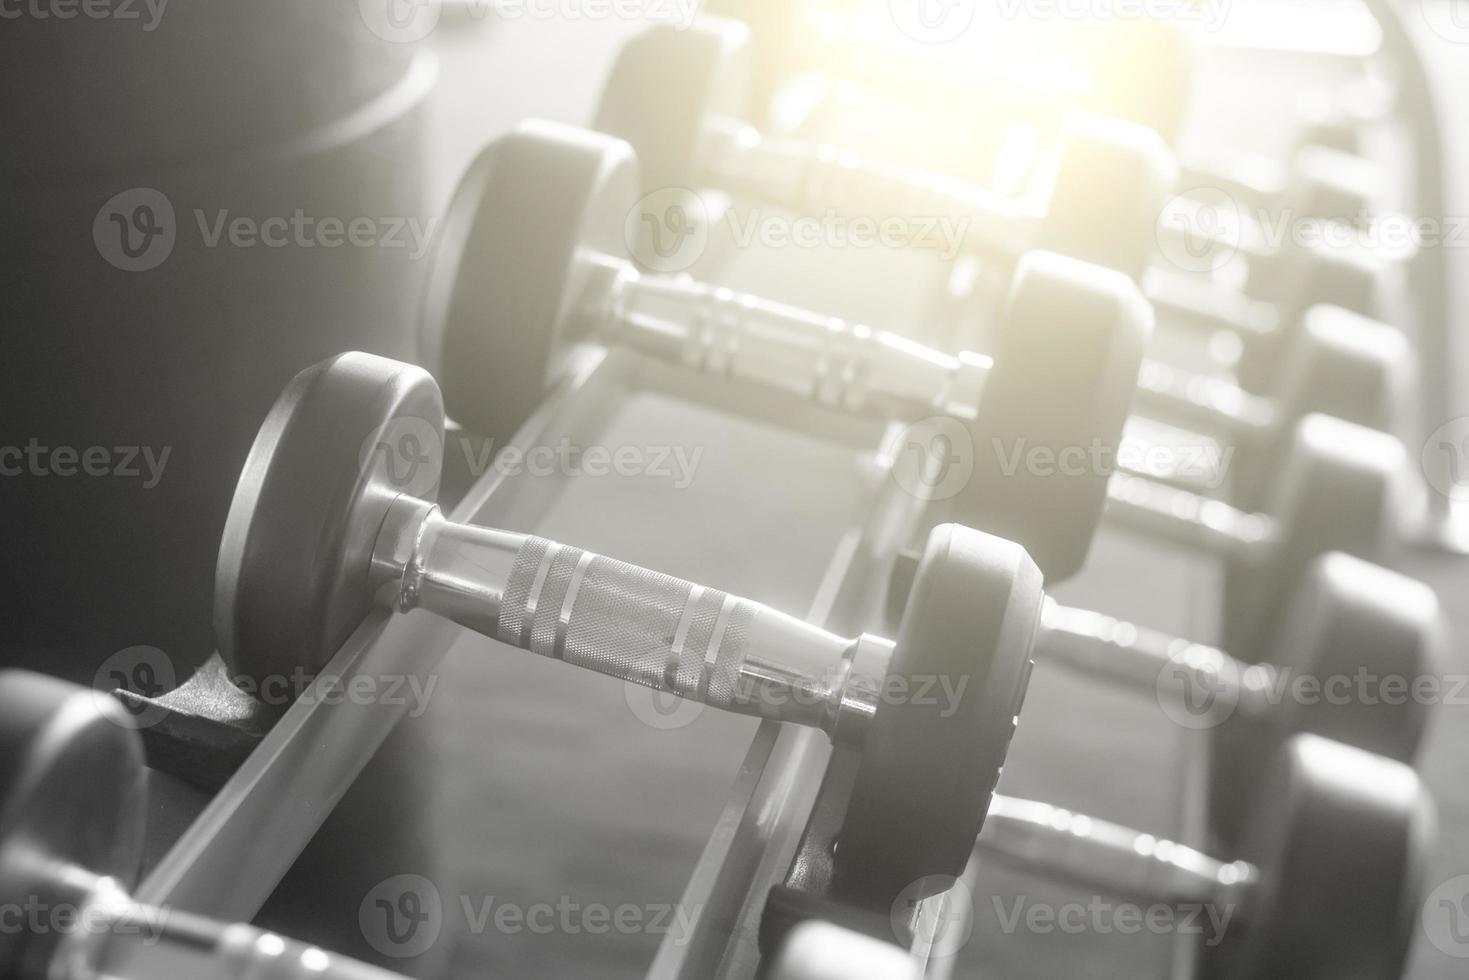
[[625, 621]]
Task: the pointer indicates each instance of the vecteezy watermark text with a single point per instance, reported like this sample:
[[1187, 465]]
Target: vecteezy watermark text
[[121, 462], [148, 13], [404, 916]]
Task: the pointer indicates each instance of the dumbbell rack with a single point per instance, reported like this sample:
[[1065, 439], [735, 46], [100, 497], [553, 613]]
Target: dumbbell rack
[[215, 866]]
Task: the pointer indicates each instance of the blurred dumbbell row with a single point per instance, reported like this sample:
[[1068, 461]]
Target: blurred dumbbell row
[[1064, 344]]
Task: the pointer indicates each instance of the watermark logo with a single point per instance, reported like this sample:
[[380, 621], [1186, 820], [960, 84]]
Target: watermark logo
[[135, 230], [144, 463], [933, 459], [1449, 19], [108, 915], [143, 670], [933, 21], [1210, 15], [1200, 231], [941, 924], [402, 916], [1445, 459], [401, 21], [661, 710], [668, 465], [1102, 917], [406, 453], [1446, 917], [148, 13], [667, 230], [1199, 687]]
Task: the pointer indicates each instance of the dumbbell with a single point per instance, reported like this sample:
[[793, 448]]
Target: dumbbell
[[502, 307], [1339, 360], [1339, 363], [532, 260], [1325, 883], [678, 97], [1143, 70], [319, 534], [1346, 619], [1340, 488], [72, 813]]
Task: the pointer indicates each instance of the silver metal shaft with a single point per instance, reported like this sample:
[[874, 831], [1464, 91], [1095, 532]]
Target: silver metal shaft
[[117, 938], [1183, 300], [1200, 401], [826, 358], [628, 622], [1190, 520], [1082, 850], [1144, 659], [811, 177]]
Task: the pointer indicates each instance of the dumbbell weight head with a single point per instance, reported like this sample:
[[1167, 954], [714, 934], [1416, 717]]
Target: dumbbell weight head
[[956, 675], [1339, 490], [1328, 184], [1340, 364], [1339, 835], [1067, 347], [929, 767], [1347, 366], [509, 266], [1066, 359], [1302, 278], [71, 799], [345, 439], [667, 85], [670, 84], [1112, 183], [1350, 622]]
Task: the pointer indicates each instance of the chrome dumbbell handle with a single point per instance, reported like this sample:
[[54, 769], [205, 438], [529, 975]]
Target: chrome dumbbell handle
[[813, 178], [1145, 659], [1181, 300], [628, 622], [831, 360], [1190, 520], [1206, 403], [120, 939], [1082, 850]]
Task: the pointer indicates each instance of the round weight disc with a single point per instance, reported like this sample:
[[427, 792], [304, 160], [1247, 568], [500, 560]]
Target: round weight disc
[[1113, 182], [1352, 617], [71, 794], [667, 85], [344, 439], [1339, 364], [514, 255], [939, 737], [1339, 837], [1339, 491], [1347, 366], [1067, 352], [1349, 618]]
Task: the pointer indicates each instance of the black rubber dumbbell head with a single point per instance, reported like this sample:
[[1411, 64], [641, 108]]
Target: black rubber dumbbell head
[[939, 738], [345, 438], [515, 253]]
